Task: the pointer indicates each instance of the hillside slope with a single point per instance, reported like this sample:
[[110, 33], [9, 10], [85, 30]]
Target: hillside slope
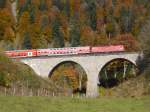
[[62, 23], [133, 87], [16, 75]]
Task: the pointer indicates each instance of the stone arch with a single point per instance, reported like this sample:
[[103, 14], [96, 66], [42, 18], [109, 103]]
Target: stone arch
[[112, 60], [108, 62], [32, 65], [29, 66], [65, 62]]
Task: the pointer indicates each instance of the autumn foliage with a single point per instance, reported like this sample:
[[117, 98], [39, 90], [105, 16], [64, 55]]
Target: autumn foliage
[[98, 22]]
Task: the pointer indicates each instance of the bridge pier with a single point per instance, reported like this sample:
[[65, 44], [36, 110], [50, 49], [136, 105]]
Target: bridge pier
[[92, 88], [92, 76]]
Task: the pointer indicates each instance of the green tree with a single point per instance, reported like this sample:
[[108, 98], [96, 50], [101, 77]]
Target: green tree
[[66, 8], [43, 5], [144, 38], [38, 40], [44, 21], [74, 33], [32, 14], [27, 41], [58, 3], [92, 14], [111, 26], [24, 7], [2, 3], [126, 19], [57, 35]]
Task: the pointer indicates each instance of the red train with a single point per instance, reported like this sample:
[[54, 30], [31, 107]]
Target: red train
[[64, 51]]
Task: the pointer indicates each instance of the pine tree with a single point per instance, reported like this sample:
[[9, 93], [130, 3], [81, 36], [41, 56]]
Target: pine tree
[[44, 21], [144, 38], [26, 41], [58, 3], [32, 14], [57, 35], [23, 8], [37, 38], [111, 24], [2, 3], [126, 19], [43, 5], [74, 33], [66, 8], [92, 14]]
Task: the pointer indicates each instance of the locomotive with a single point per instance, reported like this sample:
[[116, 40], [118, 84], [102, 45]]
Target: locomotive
[[64, 51]]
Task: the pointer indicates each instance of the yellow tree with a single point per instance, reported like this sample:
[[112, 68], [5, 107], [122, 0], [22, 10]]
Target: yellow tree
[[87, 36], [38, 39], [22, 28], [71, 7], [66, 76], [6, 28]]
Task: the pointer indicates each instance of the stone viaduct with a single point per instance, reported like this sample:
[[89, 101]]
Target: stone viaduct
[[91, 63]]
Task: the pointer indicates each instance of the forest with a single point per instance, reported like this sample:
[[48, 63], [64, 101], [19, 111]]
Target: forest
[[35, 24], [64, 23]]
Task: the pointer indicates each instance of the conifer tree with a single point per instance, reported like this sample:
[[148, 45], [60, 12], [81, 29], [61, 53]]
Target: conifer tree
[[38, 40], [43, 5], [92, 14], [58, 3], [111, 24], [66, 8], [23, 8], [126, 19], [57, 35], [2, 3], [32, 14], [144, 38], [44, 21], [26, 41], [74, 33]]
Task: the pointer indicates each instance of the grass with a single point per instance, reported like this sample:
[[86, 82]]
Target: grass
[[66, 104]]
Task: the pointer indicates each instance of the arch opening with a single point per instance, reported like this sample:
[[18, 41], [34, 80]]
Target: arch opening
[[70, 76], [115, 72]]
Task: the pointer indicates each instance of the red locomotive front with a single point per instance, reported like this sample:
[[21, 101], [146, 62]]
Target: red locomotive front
[[21, 53]]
